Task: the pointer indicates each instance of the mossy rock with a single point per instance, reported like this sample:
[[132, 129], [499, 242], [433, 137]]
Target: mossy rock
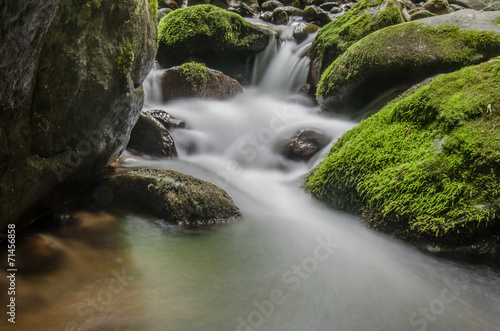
[[425, 167], [172, 196], [399, 56], [194, 80], [335, 38], [210, 34]]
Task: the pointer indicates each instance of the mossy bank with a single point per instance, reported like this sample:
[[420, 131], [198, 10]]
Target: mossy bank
[[425, 167]]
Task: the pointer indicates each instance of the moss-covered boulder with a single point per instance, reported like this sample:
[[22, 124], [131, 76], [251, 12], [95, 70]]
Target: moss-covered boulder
[[399, 56], [426, 166], [217, 37], [335, 38], [172, 196], [71, 92], [194, 80]]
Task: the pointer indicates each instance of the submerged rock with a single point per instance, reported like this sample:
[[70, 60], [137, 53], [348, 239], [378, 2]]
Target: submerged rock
[[195, 80], [172, 196], [335, 38], [71, 93], [425, 167], [399, 56], [214, 36], [150, 136], [305, 144]]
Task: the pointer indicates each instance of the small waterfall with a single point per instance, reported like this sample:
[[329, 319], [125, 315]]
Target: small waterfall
[[264, 59], [287, 71], [152, 86]]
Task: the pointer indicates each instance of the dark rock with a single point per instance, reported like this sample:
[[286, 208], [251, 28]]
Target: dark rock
[[305, 144], [71, 92], [172, 196], [195, 80], [294, 3], [267, 17], [280, 17], [335, 10], [438, 7], [38, 254], [150, 136], [302, 30], [163, 12], [291, 11], [271, 5], [165, 118], [316, 15]]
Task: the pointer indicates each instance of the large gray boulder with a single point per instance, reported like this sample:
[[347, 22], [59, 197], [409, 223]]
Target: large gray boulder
[[70, 94], [467, 19]]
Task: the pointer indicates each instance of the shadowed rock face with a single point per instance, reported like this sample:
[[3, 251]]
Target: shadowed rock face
[[70, 95]]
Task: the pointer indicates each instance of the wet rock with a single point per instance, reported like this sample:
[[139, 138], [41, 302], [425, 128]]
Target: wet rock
[[71, 94], [316, 15], [328, 6], [150, 136], [163, 12], [291, 11], [494, 6], [352, 82], [302, 30], [267, 17], [280, 17], [467, 19], [243, 9], [165, 118], [195, 33], [271, 5], [195, 80], [305, 144], [172, 196]]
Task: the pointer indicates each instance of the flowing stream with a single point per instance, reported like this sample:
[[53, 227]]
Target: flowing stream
[[288, 264]]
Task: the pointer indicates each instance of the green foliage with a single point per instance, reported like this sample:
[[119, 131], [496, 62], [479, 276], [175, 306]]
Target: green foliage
[[195, 73], [336, 37], [153, 8], [126, 58], [497, 22], [427, 163], [204, 25], [408, 46]]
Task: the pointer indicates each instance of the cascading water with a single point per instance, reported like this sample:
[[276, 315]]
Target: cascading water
[[289, 264]]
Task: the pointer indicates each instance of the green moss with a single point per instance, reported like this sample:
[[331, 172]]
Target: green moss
[[409, 47], [204, 26], [497, 22], [84, 14], [195, 73], [361, 20], [426, 165], [153, 8], [126, 58]]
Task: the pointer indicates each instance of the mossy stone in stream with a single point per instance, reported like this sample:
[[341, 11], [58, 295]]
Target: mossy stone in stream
[[400, 55], [425, 167], [172, 196], [208, 34], [365, 17]]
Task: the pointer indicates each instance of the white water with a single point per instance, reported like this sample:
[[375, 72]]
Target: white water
[[289, 264]]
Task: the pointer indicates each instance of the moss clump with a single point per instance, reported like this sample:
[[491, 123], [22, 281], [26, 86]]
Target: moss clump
[[426, 165], [195, 73], [153, 8], [497, 22], [365, 17], [206, 27], [406, 50], [126, 58]]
